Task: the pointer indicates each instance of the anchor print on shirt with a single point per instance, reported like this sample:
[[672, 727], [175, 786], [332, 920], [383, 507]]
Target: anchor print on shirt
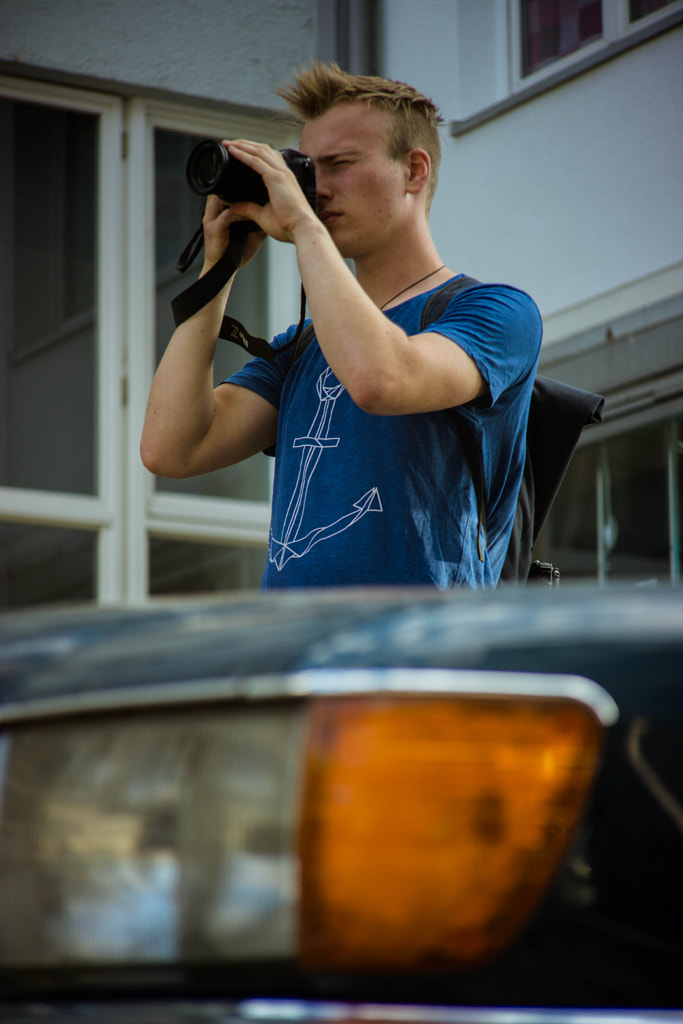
[[295, 542]]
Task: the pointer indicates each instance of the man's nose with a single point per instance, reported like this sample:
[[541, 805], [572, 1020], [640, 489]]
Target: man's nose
[[322, 184]]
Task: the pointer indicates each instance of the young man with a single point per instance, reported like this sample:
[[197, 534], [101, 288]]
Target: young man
[[371, 486]]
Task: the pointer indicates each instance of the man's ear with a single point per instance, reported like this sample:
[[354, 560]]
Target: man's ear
[[418, 170]]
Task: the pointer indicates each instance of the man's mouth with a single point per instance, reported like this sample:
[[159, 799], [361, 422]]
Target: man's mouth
[[329, 216]]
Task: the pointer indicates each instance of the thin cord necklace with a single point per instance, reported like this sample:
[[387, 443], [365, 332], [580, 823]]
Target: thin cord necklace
[[419, 281]]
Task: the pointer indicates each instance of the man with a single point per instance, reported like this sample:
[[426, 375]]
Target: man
[[371, 486]]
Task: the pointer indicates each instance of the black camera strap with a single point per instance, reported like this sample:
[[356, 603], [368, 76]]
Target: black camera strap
[[207, 287]]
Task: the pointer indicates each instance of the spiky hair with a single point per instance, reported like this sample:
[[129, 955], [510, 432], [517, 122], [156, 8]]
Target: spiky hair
[[413, 119]]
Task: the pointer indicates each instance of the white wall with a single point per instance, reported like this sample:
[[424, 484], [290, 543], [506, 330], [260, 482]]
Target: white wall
[[230, 50], [572, 195], [578, 191], [458, 55]]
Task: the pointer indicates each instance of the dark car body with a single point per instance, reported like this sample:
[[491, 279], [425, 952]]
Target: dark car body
[[607, 935]]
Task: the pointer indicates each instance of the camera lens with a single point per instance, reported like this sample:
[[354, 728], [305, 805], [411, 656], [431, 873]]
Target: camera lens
[[205, 166], [211, 170]]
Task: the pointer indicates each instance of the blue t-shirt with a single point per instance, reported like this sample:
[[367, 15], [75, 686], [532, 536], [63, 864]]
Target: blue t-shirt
[[360, 499]]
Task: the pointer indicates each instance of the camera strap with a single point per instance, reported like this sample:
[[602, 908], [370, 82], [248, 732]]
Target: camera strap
[[207, 287]]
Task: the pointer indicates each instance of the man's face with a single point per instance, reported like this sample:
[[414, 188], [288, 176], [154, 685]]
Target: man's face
[[361, 191]]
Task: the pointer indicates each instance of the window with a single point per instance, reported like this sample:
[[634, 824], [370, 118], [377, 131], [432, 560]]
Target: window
[[207, 533], [181, 567], [178, 213], [94, 212], [59, 345], [42, 565], [619, 511], [641, 8], [554, 28], [47, 324]]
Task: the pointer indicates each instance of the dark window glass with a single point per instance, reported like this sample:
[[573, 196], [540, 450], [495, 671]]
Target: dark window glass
[[45, 565], [677, 504], [636, 522], [181, 567], [554, 28], [178, 213], [47, 298], [641, 8], [611, 516], [569, 537]]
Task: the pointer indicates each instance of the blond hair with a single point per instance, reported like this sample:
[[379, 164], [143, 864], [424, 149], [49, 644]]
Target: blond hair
[[413, 119]]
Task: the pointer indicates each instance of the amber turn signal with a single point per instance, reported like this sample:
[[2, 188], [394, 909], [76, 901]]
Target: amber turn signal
[[432, 827]]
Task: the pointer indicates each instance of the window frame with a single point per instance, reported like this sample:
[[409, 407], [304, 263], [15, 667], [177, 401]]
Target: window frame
[[516, 90], [152, 512], [126, 510], [670, 416], [617, 29], [99, 512]]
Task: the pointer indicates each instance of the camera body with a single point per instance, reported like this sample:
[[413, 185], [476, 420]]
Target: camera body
[[212, 171]]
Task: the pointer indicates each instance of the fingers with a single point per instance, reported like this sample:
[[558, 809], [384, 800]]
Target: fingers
[[287, 204], [219, 216], [217, 221], [255, 154]]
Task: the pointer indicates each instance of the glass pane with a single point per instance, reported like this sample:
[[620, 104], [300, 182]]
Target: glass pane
[[47, 302], [641, 8], [553, 28], [178, 215], [677, 485], [183, 567], [569, 536], [636, 521], [43, 565]]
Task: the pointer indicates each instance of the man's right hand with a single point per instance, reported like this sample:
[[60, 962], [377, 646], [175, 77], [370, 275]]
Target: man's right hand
[[216, 222]]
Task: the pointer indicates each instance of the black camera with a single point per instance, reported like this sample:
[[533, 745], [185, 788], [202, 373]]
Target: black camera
[[212, 171]]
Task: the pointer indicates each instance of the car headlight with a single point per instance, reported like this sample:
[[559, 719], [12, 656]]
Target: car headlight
[[338, 820]]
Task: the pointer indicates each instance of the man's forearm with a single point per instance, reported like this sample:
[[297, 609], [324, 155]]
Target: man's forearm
[[360, 344]]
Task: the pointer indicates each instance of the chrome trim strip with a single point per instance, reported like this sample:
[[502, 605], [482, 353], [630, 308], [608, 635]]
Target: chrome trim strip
[[265, 1011], [320, 682]]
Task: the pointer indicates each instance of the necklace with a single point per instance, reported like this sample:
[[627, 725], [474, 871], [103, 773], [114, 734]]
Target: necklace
[[419, 281]]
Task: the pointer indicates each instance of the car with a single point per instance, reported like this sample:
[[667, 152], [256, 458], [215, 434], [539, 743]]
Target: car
[[347, 805]]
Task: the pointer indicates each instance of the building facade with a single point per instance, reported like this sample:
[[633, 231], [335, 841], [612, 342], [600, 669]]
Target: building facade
[[563, 144]]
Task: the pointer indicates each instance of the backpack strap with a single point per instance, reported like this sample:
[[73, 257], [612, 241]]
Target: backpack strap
[[303, 341], [437, 303]]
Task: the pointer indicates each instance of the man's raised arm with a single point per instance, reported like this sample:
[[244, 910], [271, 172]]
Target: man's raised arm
[[190, 426]]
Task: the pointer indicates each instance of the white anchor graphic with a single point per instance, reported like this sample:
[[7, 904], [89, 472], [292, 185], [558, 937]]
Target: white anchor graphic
[[293, 544]]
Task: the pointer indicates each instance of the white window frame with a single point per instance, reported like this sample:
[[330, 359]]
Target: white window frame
[[151, 512], [616, 28], [125, 509], [101, 512]]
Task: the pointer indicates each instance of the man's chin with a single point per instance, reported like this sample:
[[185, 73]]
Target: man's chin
[[347, 247]]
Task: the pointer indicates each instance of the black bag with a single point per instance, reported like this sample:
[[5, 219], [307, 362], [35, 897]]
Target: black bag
[[557, 415]]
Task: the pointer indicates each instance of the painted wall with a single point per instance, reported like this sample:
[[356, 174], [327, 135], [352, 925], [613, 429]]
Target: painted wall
[[236, 51], [580, 189], [571, 195]]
